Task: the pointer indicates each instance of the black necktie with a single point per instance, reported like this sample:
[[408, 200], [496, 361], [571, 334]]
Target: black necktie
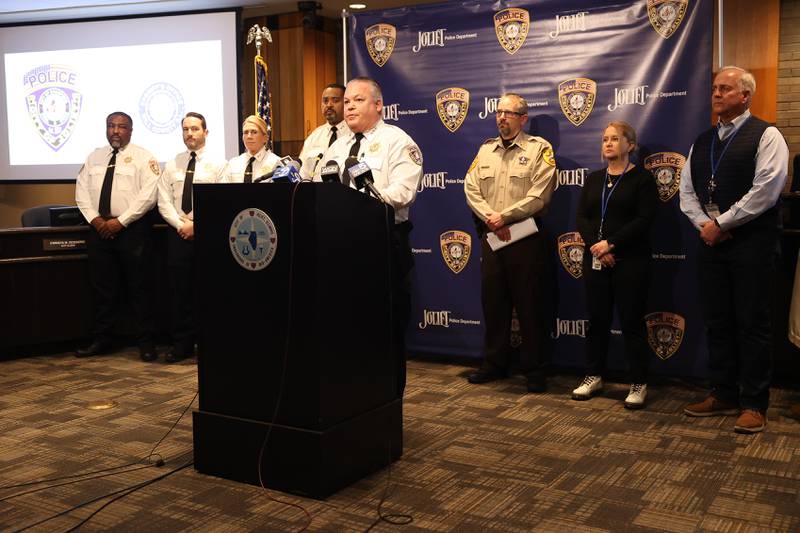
[[248, 171], [108, 182], [357, 146], [333, 135], [186, 201]]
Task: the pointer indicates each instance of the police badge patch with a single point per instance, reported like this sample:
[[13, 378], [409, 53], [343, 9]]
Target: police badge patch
[[452, 105], [666, 15], [456, 247], [54, 103], [380, 40], [511, 27], [665, 333], [253, 239], [577, 97], [415, 155], [666, 169], [570, 251]]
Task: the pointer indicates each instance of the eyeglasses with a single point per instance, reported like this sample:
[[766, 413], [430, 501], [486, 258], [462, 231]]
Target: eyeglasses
[[506, 113]]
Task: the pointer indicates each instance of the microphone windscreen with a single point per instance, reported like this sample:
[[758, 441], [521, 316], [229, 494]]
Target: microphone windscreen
[[330, 172]]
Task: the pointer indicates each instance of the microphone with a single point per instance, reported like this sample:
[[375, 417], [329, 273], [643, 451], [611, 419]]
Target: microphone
[[330, 172], [316, 162], [286, 174], [349, 162], [284, 162], [361, 175]]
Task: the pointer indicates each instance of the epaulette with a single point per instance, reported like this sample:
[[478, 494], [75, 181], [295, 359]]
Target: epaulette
[[490, 140]]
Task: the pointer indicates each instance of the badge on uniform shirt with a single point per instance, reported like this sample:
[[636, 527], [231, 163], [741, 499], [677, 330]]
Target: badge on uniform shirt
[[548, 157], [154, 167], [415, 155], [523, 160], [208, 167], [128, 160], [596, 264], [374, 147]]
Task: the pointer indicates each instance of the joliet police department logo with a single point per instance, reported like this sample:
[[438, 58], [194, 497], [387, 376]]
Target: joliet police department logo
[[666, 15], [161, 107], [577, 97], [666, 169], [380, 42], [452, 105], [53, 102], [665, 333], [511, 26], [253, 239], [456, 247], [570, 251]]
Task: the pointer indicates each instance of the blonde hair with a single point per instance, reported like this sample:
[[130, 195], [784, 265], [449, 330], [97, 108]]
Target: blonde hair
[[626, 130], [258, 122]]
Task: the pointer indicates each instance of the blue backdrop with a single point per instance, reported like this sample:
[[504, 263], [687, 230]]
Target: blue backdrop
[[580, 64]]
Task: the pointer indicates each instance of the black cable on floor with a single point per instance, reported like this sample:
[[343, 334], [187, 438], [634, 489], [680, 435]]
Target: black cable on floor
[[396, 519]]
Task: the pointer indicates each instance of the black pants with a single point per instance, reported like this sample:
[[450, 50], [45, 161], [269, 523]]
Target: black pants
[[181, 266], [515, 277], [625, 286], [127, 259], [402, 264], [735, 285]]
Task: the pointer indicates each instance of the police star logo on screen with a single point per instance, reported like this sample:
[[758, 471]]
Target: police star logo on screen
[[577, 97], [253, 239], [666, 169], [570, 252], [665, 333], [53, 102], [380, 40], [666, 15], [452, 105], [511, 27], [456, 248], [161, 108]]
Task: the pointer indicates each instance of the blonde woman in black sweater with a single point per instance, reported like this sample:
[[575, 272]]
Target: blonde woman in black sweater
[[615, 213]]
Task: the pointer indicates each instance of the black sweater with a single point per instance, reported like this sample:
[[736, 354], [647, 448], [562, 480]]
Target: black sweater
[[629, 216]]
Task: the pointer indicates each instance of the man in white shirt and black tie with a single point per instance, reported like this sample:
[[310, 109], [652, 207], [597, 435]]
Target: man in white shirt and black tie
[[175, 203], [323, 136], [115, 189]]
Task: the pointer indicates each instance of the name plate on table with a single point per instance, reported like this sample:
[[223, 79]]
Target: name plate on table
[[55, 245]]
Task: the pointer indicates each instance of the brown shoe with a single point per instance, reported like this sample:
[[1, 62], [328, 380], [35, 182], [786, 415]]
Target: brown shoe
[[710, 407], [750, 421], [794, 411]]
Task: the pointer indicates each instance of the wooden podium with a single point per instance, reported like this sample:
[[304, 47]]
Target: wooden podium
[[299, 350]]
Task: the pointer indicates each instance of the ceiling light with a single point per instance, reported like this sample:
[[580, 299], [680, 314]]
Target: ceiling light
[[357, 6]]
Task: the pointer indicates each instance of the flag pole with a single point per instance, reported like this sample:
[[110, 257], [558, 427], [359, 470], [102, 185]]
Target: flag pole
[[262, 107]]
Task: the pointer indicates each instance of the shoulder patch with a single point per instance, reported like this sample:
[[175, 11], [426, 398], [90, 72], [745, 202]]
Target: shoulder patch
[[548, 157], [154, 168], [415, 154], [473, 165]]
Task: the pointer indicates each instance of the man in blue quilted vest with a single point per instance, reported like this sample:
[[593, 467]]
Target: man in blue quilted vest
[[730, 188]]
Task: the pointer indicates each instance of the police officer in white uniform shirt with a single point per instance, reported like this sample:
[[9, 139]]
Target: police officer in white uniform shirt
[[396, 164], [323, 136], [257, 159], [175, 203], [115, 189]]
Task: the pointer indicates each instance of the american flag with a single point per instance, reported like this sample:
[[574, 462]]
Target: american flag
[[263, 108]]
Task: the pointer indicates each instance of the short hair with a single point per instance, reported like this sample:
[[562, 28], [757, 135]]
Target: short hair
[[120, 114], [747, 82], [625, 129], [336, 86], [259, 122], [522, 104], [192, 114], [376, 89]]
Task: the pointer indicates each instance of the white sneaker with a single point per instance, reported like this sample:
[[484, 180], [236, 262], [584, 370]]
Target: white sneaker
[[636, 396], [590, 386]]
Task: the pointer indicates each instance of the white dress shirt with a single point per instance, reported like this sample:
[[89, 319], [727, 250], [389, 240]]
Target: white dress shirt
[[207, 169], [395, 161], [316, 144], [133, 192], [772, 168], [264, 163]]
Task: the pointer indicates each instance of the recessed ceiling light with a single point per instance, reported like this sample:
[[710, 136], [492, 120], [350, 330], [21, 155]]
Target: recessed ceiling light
[[357, 6]]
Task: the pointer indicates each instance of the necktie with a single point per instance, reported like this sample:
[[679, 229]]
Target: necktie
[[357, 146], [108, 182], [333, 135], [186, 201], [248, 172]]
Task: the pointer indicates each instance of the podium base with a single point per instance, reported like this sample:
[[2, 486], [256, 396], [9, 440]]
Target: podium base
[[310, 463]]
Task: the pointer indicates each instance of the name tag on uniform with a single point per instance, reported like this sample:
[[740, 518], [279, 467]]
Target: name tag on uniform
[[596, 264], [712, 210]]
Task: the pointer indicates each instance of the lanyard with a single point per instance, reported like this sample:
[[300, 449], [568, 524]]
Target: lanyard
[[604, 202], [712, 183]]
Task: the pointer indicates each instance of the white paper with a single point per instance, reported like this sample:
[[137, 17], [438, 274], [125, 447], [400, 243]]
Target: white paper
[[519, 230]]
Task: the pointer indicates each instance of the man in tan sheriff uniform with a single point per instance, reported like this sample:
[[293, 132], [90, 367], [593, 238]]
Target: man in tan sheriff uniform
[[512, 178], [396, 164], [175, 203], [257, 159], [115, 190], [323, 136]]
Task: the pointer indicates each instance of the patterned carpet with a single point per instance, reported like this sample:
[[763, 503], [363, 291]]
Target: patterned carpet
[[477, 458]]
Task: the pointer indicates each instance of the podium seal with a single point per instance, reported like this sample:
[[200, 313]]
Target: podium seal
[[253, 239]]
